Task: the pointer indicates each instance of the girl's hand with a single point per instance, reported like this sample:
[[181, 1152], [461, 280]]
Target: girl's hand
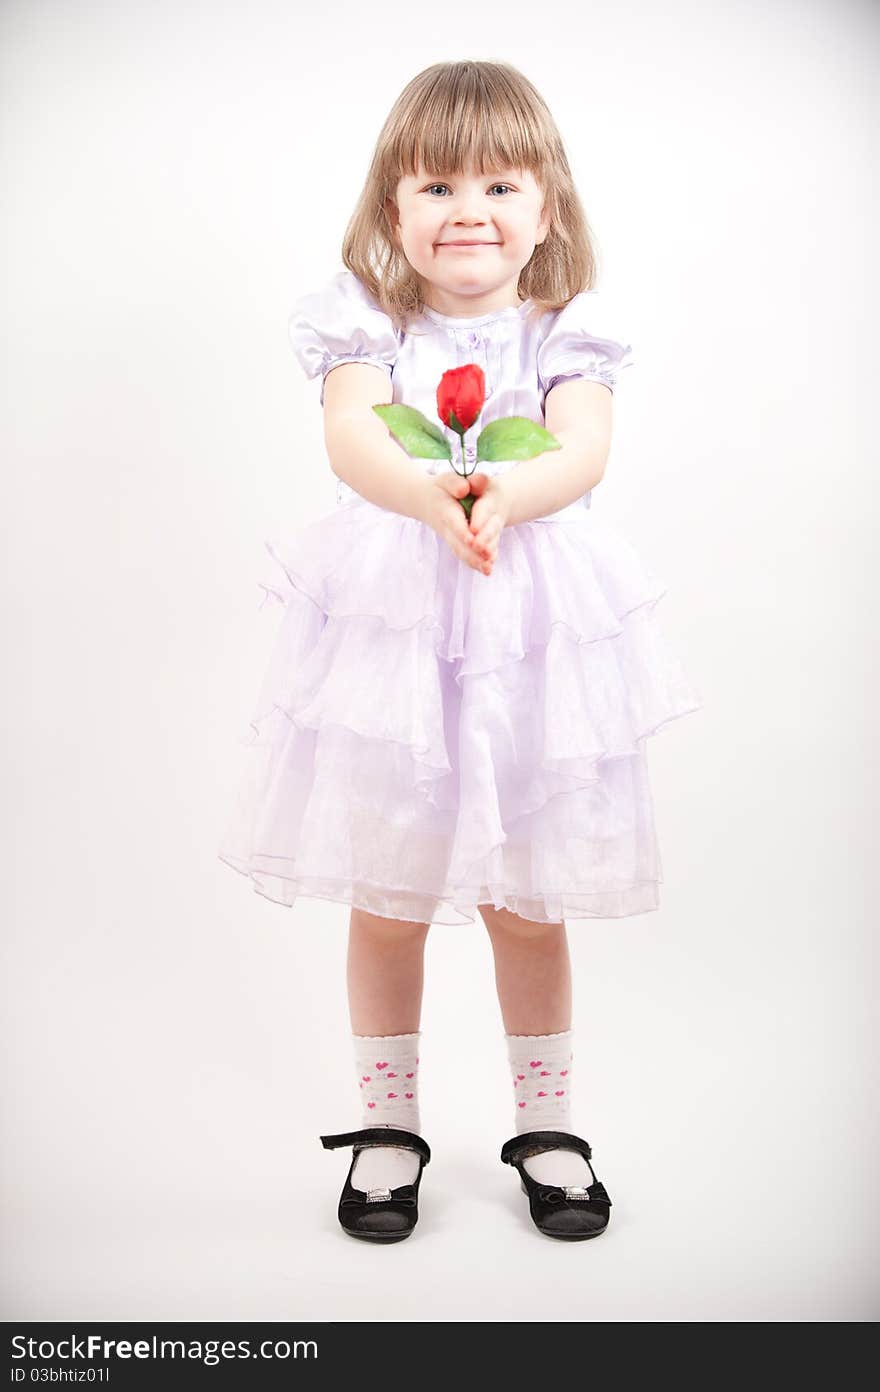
[[444, 513], [488, 516]]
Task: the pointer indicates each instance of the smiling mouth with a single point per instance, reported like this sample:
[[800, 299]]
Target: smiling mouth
[[464, 246]]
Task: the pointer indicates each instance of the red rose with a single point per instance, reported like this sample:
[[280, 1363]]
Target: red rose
[[460, 396]]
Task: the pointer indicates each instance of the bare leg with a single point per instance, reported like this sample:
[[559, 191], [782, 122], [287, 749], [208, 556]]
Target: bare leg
[[532, 972], [385, 973]]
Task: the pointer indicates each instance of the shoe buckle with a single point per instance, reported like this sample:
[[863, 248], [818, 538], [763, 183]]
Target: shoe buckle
[[378, 1195], [575, 1191]]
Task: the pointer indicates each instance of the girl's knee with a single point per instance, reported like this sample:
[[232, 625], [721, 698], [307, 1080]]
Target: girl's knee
[[394, 929], [505, 922]]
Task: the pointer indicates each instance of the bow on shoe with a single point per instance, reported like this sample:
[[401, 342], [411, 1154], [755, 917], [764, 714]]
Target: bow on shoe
[[551, 1193], [405, 1195]]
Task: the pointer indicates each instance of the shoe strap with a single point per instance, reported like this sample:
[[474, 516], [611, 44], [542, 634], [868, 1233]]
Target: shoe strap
[[536, 1142], [380, 1135]]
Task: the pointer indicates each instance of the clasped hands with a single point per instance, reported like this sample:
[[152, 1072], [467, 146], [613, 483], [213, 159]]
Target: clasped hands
[[475, 543]]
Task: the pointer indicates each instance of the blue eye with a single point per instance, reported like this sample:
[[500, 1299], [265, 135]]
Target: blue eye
[[435, 186]]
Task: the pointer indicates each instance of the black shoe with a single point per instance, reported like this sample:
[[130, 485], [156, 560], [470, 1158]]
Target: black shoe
[[569, 1212], [380, 1215]]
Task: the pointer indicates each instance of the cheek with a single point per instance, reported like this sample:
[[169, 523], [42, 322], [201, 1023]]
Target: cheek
[[515, 228], [423, 226]]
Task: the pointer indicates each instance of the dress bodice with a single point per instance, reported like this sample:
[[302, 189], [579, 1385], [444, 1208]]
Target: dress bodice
[[523, 354]]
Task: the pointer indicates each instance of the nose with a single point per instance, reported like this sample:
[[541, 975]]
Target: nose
[[463, 226], [468, 211]]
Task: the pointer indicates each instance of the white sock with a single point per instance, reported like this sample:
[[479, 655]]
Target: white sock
[[388, 1078], [541, 1065]]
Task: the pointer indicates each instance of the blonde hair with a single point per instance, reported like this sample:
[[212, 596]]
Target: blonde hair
[[449, 118]]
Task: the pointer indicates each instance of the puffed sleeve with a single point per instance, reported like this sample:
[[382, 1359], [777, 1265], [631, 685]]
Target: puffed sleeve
[[577, 345], [341, 323]]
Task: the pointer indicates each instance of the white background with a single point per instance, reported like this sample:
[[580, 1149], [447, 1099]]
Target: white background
[[174, 176]]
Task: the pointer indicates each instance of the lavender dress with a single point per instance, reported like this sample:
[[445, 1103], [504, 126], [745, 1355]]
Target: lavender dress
[[428, 738]]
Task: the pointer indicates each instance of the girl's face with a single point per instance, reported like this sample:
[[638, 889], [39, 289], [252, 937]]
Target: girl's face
[[499, 213]]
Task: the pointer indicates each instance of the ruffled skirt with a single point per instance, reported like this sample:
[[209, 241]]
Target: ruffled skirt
[[428, 739]]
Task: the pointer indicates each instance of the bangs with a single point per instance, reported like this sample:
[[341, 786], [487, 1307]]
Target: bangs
[[466, 120]]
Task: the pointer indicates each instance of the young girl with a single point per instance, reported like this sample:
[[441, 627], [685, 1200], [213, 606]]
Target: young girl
[[455, 715]]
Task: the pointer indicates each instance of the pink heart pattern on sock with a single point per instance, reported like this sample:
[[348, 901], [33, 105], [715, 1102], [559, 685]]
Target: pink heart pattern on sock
[[380, 1099], [532, 1076]]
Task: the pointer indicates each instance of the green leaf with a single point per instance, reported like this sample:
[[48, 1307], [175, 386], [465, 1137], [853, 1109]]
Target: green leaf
[[515, 437], [420, 437]]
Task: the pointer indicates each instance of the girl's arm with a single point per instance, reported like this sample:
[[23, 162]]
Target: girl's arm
[[360, 450], [578, 413]]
